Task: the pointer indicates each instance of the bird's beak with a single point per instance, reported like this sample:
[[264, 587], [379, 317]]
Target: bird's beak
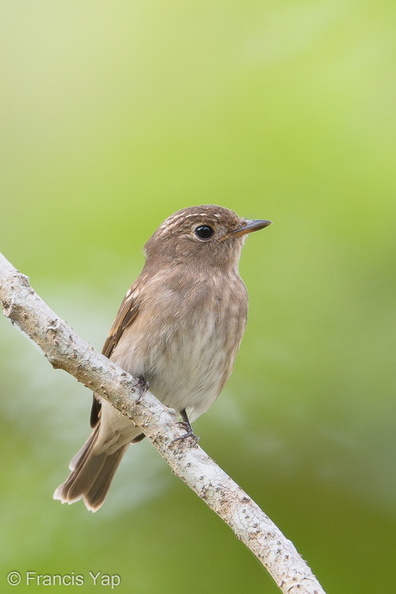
[[253, 225]]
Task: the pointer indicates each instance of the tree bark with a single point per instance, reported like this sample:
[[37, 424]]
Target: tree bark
[[64, 349]]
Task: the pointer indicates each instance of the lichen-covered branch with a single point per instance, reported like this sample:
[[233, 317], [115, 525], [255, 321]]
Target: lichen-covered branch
[[65, 350]]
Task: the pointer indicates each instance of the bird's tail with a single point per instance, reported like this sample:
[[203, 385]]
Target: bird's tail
[[91, 475]]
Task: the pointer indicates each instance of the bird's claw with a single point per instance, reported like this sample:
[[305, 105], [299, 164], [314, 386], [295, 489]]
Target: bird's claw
[[141, 386], [189, 432]]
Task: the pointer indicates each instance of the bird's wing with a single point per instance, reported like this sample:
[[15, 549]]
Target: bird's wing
[[127, 313]]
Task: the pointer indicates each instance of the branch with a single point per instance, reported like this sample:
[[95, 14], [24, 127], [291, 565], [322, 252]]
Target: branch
[[65, 350]]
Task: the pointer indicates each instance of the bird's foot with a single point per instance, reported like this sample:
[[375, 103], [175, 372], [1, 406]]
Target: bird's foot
[[141, 386], [185, 424]]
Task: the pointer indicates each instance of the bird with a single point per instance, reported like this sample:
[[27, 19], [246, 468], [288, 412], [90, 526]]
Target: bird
[[178, 330]]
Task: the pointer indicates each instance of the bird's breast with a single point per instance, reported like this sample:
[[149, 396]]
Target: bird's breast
[[185, 339]]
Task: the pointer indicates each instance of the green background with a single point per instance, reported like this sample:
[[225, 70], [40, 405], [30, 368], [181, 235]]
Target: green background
[[113, 116]]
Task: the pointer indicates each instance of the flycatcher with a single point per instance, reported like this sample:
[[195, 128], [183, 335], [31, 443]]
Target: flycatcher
[[178, 329]]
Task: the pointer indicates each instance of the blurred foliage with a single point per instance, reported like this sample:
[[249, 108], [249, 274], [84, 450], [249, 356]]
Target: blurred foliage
[[116, 114]]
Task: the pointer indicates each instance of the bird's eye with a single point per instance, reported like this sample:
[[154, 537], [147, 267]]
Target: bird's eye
[[204, 232]]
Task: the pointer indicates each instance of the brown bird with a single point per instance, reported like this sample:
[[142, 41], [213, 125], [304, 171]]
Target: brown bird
[[178, 329]]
